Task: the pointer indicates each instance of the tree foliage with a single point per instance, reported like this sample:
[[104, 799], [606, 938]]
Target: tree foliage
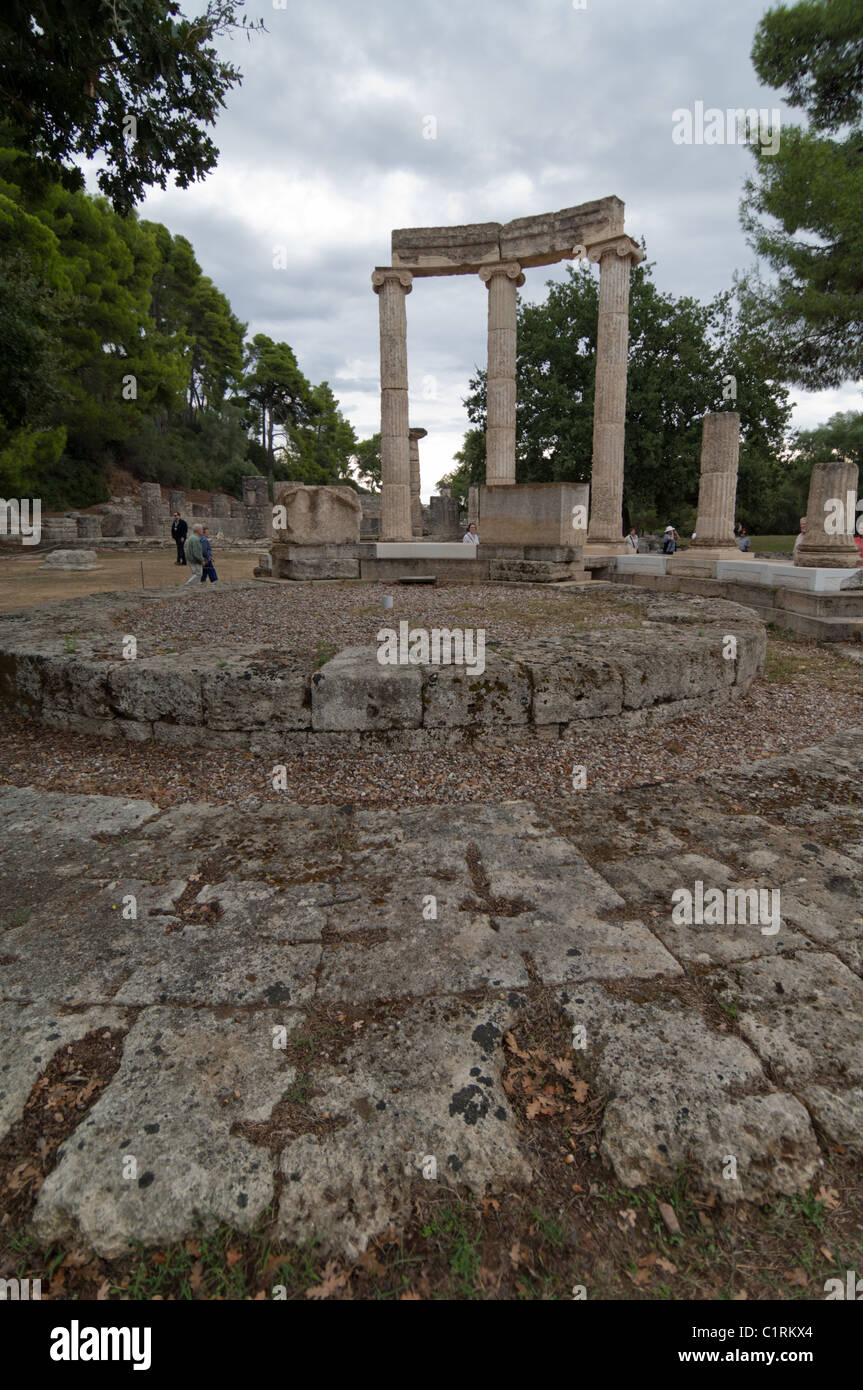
[[135, 83], [801, 209]]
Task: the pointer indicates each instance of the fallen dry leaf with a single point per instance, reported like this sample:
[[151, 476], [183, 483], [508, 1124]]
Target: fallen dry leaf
[[829, 1196], [333, 1280]]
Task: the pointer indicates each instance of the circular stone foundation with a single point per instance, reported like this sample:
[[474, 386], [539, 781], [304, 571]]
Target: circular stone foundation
[[457, 667]]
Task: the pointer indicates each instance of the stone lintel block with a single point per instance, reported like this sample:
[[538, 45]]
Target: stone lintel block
[[354, 691], [454, 696]]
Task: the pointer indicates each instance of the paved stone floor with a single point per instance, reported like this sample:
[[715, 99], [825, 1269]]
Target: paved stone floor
[[405, 944]]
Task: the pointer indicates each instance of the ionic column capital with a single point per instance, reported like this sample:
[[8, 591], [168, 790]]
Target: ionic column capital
[[382, 274], [511, 269], [620, 245]]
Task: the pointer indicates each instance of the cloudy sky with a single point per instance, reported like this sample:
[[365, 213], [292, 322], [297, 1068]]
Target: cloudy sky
[[536, 105]]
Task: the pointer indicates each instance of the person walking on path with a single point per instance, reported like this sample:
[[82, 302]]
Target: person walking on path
[[179, 531], [195, 555], [209, 571]]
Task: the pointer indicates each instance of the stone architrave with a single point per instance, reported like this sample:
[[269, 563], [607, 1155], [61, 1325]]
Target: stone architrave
[[501, 281], [717, 487], [615, 256], [416, 506], [151, 509], [830, 484], [392, 286], [318, 515]]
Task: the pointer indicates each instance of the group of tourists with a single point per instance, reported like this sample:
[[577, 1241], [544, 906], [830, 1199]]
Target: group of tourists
[[194, 550]]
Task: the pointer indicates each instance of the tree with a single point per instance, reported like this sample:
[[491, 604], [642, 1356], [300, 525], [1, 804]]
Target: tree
[[136, 82], [367, 457], [681, 357], [801, 210], [840, 438], [322, 446], [275, 385]]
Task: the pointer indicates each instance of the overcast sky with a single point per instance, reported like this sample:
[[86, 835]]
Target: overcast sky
[[538, 104]]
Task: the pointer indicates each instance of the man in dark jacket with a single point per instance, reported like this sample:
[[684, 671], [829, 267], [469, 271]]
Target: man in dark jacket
[[179, 530]]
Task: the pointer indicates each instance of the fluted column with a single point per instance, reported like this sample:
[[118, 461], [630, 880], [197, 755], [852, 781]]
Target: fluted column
[[391, 287], [831, 483], [717, 486], [614, 257], [416, 506], [501, 281]]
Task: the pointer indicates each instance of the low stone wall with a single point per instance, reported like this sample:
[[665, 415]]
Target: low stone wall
[[62, 664]]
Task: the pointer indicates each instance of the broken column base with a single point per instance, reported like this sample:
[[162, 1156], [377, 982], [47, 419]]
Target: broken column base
[[701, 561], [835, 558]]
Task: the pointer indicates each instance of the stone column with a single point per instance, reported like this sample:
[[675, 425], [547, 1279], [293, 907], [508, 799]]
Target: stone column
[[614, 256], [151, 509], [416, 506], [177, 503], [717, 487], [832, 485], [391, 287], [501, 281]]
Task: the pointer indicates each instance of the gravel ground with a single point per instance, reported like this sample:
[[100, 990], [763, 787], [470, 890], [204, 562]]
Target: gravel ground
[[308, 623], [808, 694]]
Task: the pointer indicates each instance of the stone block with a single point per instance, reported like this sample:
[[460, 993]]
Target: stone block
[[534, 571], [319, 515], [568, 685], [454, 696], [70, 560], [532, 514], [354, 691], [256, 694], [157, 688]]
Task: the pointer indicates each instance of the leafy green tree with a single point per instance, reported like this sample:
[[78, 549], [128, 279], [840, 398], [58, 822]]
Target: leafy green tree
[[135, 82], [368, 462], [801, 209], [281, 395], [321, 449], [840, 438]]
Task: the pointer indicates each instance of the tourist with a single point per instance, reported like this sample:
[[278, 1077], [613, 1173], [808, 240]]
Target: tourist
[[471, 536], [195, 554], [799, 539], [743, 541], [179, 531], [632, 540], [209, 568], [669, 541]]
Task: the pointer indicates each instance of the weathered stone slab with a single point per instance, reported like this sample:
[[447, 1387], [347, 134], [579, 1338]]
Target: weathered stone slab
[[355, 691], [533, 514], [318, 515], [454, 696], [185, 1080], [70, 559]]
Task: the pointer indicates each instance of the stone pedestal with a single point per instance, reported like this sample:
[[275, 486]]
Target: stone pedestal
[[416, 506], [391, 287], [318, 516], [151, 509], [615, 256], [220, 505], [533, 514], [831, 484], [89, 528], [501, 281]]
